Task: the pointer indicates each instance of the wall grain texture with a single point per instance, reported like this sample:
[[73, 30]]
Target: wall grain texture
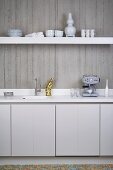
[[21, 64]]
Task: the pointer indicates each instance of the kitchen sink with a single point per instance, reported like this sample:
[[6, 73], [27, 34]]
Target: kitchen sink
[[34, 97]]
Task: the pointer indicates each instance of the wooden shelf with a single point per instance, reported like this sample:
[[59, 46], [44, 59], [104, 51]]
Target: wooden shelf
[[56, 40]]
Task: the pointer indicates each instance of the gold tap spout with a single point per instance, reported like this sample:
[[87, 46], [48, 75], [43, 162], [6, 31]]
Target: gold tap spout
[[49, 87]]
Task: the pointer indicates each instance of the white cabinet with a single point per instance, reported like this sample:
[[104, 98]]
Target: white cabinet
[[106, 131], [5, 140], [29, 130], [77, 129], [33, 130]]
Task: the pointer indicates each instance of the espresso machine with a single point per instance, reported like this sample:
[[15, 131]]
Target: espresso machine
[[89, 85]]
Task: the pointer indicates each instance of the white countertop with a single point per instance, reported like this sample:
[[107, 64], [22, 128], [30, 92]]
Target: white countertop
[[59, 96], [57, 99]]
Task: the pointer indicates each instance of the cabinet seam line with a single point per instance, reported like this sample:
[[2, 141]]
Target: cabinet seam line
[[11, 128], [55, 130], [99, 127]]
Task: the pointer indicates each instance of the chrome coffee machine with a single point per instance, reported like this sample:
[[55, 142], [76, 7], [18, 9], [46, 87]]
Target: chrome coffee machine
[[89, 86]]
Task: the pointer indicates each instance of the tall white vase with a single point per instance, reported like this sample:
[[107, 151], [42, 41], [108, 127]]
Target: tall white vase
[[106, 89], [70, 30]]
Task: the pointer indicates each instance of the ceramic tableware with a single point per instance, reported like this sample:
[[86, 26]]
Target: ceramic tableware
[[58, 33], [49, 33]]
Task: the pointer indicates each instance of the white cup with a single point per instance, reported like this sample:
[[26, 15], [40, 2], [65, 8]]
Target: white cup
[[58, 33], [78, 92], [75, 92], [83, 33], [87, 33], [92, 33], [49, 33]]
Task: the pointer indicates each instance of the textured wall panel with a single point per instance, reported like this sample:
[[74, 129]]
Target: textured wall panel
[[20, 64]]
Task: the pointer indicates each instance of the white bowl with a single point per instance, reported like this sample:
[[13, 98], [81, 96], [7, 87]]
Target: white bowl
[[49, 33], [58, 33], [14, 33]]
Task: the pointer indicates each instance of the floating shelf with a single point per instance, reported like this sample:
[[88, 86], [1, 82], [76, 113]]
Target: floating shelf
[[56, 40]]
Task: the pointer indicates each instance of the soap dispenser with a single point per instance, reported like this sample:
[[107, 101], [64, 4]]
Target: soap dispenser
[[106, 89]]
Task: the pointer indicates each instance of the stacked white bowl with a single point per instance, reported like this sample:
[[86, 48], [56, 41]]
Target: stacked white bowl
[[15, 33]]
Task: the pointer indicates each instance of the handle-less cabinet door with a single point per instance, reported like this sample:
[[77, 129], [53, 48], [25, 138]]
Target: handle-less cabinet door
[[77, 130], [5, 140], [33, 130], [106, 137]]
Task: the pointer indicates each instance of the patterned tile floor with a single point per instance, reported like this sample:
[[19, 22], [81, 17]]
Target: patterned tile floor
[[57, 167]]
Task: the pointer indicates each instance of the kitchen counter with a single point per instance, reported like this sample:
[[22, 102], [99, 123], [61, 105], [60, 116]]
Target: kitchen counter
[[59, 96]]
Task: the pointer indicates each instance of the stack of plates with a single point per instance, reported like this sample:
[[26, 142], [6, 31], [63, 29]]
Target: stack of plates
[[15, 33]]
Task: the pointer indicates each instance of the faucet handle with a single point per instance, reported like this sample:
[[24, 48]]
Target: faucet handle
[[36, 82]]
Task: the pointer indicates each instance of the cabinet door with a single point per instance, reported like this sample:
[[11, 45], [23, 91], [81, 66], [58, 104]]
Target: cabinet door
[[33, 130], [5, 144], [77, 130], [106, 133]]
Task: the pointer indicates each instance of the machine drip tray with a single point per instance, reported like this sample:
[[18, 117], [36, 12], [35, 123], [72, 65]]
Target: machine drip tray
[[90, 95]]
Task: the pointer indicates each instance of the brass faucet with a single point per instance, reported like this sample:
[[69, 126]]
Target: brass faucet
[[49, 87]]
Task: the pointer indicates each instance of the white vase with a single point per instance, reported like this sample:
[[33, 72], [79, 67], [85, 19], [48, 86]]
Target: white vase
[[70, 30]]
